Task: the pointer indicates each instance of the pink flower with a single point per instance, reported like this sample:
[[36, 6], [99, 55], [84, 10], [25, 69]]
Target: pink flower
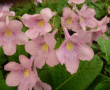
[[76, 1], [21, 75], [101, 28], [10, 35], [37, 1], [73, 49], [43, 48], [70, 19], [38, 23], [87, 17]]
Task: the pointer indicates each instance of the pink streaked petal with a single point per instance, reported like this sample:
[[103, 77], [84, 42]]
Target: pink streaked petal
[[32, 47], [89, 13], [67, 12], [13, 66], [20, 38], [75, 26], [15, 25], [92, 22], [61, 52], [23, 86], [46, 28], [25, 62], [83, 25], [84, 52], [3, 26], [13, 78], [9, 48], [32, 80], [84, 7], [50, 40], [72, 64], [46, 14], [40, 59], [80, 37], [103, 21], [52, 59], [45, 86], [74, 16], [32, 33], [29, 20]]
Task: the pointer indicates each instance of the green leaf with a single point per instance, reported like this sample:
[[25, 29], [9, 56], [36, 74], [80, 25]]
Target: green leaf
[[105, 48], [1, 74], [60, 79], [20, 51], [3, 86], [104, 85], [3, 57]]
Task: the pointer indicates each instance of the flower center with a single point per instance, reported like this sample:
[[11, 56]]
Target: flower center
[[69, 20], [82, 19], [26, 73], [41, 23], [69, 46], [45, 47], [8, 33]]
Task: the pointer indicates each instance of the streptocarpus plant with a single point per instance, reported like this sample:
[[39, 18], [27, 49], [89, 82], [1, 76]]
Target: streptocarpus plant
[[43, 37]]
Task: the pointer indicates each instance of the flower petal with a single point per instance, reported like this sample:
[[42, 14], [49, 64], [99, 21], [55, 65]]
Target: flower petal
[[67, 12], [23, 86], [15, 25], [45, 86], [9, 47], [32, 47], [13, 66], [13, 79], [25, 62], [3, 27], [40, 59], [84, 52], [46, 28], [72, 64], [46, 13], [52, 59], [33, 80], [50, 40], [20, 38], [32, 33]]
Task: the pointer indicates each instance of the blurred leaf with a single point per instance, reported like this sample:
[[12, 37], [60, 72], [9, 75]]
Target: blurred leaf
[[3, 57], [1, 74], [104, 85], [105, 48], [60, 79]]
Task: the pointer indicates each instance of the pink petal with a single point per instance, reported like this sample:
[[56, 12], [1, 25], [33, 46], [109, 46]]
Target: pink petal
[[46, 13], [103, 21], [13, 79], [9, 48], [89, 13], [50, 40], [38, 86], [72, 64], [20, 38], [52, 59], [84, 7], [15, 25], [25, 62], [46, 28], [13, 66], [32, 47], [84, 52], [40, 59], [32, 33], [33, 80], [23, 86], [80, 37], [3, 27], [45, 86], [67, 12]]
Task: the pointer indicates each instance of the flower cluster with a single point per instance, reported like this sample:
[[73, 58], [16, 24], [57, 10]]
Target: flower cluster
[[41, 47]]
